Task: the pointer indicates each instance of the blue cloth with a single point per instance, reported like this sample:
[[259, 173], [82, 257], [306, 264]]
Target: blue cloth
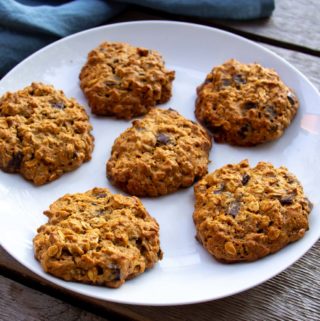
[[28, 25]]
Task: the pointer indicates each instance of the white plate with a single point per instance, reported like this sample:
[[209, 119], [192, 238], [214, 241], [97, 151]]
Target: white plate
[[187, 274]]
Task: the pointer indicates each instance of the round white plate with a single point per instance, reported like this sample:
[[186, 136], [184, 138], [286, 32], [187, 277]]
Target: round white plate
[[187, 273]]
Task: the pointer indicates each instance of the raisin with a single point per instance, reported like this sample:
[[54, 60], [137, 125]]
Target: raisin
[[116, 272], [220, 189], [15, 162], [233, 208], [286, 200], [239, 79], [214, 129], [162, 139], [100, 211], [245, 179], [101, 195], [99, 270], [142, 52], [250, 105], [270, 112], [225, 83], [57, 105], [208, 81], [244, 130], [291, 98]]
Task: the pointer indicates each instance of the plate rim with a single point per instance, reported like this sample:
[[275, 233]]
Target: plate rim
[[66, 285]]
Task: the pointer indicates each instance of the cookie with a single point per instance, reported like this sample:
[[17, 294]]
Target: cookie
[[245, 104], [243, 213], [97, 237], [124, 81], [159, 154], [43, 134]]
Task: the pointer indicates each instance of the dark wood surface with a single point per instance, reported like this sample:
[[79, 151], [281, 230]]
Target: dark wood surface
[[292, 295]]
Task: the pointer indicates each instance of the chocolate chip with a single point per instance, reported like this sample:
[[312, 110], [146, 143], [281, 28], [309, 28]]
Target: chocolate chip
[[233, 208], [15, 162], [99, 270], [291, 98], [142, 52], [244, 130], [245, 179], [214, 129], [160, 254], [196, 178], [239, 79], [100, 211], [116, 272], [100, 195], [270, 112], [57, 105], [208, 81], [249, 105], [286, 200], [225, 82], [162, 139], [220, 189]]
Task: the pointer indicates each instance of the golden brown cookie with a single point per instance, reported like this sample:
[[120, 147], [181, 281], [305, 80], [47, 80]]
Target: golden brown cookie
[[43, 134], [245, 104], [159, 154], [243, 213], [97, 237], [124, 81]]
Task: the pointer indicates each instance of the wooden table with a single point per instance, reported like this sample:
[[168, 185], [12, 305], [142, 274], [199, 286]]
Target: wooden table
[[292, 32]]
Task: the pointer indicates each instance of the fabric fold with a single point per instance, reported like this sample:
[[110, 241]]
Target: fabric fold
[[28, 25]]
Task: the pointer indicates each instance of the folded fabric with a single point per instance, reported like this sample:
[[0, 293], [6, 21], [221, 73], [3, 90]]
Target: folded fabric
[[28, 25]]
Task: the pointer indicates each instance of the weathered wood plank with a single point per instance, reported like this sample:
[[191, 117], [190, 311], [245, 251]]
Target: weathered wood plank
[[19, 302], [292, 295], [280, 29], [295, 22]]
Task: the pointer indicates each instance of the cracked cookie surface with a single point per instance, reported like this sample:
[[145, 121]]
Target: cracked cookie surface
[[243, 213], [97, 237], [124, 81], [43, 134], [159, 154], [245, 104]]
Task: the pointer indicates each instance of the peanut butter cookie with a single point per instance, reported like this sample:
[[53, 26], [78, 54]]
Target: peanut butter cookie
[[159, 154], [43, 134], [245, 104], [243, 213], [124, 81], [97, 237]]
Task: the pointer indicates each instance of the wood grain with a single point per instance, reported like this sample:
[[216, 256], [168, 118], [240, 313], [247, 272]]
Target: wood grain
[[292, 295], [295, 22], [293, 25], [19, 302]]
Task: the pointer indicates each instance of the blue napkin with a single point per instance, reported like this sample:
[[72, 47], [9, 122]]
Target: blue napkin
[[28, 25]]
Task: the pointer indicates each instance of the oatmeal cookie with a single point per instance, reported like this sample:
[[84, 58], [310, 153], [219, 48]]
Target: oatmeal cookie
[[97, 237], [43, 134], [243, 213], [159, 154], [124, 81], [245, 104]]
